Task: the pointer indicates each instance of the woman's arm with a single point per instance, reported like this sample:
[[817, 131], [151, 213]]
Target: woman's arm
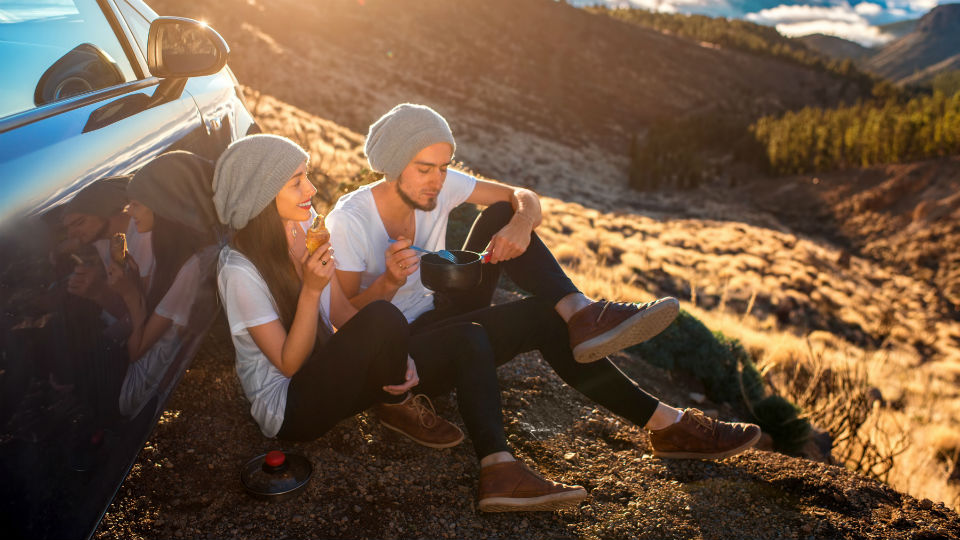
[[287, 351]]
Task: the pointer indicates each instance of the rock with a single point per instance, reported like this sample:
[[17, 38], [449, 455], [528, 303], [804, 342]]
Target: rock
[[697, 397], [925, 504], [570, 456]]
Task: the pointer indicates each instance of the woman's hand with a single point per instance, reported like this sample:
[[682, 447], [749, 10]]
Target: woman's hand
[[411, 378], [124, 280], [318, 268]]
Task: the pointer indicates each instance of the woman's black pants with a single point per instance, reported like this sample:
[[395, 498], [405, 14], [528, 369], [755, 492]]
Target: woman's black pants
[[346, 375]]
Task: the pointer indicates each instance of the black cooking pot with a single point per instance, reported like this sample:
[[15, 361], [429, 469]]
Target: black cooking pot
[[441, 275]]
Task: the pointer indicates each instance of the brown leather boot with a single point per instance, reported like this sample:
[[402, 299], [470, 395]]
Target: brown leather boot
[[604, 328], [416, 418], [697, 436], [513, 487]]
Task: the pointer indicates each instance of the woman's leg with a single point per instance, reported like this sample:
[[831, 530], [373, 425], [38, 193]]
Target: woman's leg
[[532, 324], [346, 375], [459, 355]]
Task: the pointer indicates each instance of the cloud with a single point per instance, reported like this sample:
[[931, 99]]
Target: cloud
[[868, 9], [837, 20]]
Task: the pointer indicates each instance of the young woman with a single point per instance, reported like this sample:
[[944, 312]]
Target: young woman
[[169, 202], [307, 359]]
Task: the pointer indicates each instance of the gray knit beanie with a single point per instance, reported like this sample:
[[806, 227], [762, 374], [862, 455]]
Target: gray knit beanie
[[250, 173], [397, 136]]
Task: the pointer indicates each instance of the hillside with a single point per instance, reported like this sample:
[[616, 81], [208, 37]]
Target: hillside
[[835, 47], [533, 77], [731, 263], [934, 40], [547, 97]]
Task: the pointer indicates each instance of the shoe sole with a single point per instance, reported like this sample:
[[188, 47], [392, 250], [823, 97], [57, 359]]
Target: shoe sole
[[718, 455], [638, 328], [543, 503], [422, 442]]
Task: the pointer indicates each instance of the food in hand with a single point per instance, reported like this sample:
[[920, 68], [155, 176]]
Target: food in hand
[[317, 235], [118, 249]]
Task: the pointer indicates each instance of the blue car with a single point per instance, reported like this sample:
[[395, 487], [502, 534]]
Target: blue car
[[91, 91]]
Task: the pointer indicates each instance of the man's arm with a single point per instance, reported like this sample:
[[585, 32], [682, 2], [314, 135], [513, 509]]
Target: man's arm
[[401, 262], [512, 240]]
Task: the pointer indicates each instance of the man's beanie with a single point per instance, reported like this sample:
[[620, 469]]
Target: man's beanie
[[250, 173], [397, 136], [104, 198], [176, 186]]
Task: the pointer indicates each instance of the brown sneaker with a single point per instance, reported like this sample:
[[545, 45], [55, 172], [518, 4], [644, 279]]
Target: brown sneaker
[[513, 487], [604, 328], [697, 436], [416, 418]]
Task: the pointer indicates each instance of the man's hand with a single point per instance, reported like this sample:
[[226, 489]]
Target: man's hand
[[125, 281], [401, 261], [510, 241], [411, 378]]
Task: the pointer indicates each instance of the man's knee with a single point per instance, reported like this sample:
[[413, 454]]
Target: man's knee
[[383, 316], [499, 213]]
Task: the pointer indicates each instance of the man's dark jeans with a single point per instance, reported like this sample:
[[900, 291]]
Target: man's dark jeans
[[533, 323]]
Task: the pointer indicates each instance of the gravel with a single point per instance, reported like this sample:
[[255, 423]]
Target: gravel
[[371, 483]]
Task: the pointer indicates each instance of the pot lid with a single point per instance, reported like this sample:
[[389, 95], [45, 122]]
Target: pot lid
[[276, 473]]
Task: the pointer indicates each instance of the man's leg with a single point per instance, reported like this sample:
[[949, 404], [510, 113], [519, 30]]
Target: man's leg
[[530, 324], [595, 329]]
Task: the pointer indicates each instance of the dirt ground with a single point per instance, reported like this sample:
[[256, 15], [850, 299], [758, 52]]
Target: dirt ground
[[371, 483]]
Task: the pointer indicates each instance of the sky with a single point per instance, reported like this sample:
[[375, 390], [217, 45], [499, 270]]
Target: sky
[[857, 21]]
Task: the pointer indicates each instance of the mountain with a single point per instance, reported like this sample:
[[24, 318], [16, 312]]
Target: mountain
[[540, 75], [900, 28], [835, 47], [935, 39]]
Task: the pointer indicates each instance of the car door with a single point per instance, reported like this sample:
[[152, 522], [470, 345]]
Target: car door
[[79, 109]]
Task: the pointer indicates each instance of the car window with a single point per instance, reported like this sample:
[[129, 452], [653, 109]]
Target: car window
[[138, 23], [56, 49]]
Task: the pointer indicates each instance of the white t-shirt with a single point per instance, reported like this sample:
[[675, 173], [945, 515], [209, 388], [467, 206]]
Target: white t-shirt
[[360, 239], [145, 374], [138, 244], [248, 302]]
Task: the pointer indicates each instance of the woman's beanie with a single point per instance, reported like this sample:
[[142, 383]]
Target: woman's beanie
[[397, 136], [250, 173], [176, 186]]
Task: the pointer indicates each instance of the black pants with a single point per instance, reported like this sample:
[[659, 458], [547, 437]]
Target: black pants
[[346, 375], [533, 323]]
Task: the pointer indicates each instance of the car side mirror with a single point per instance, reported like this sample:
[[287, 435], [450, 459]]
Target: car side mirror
[[179, 48]]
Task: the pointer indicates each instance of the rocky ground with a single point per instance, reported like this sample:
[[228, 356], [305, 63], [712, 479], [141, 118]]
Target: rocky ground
[[371, 483]]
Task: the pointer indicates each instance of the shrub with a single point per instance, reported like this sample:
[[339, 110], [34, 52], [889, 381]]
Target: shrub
[[729, 375]]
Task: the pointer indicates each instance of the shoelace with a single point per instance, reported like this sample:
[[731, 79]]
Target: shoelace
[[606, 304], [426, 414], [704, 423]]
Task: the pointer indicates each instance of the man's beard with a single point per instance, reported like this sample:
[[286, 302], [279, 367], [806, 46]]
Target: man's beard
[[412, 203]]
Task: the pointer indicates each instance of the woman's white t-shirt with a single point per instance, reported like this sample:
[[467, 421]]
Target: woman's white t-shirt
[[145, 374], [248, 302]]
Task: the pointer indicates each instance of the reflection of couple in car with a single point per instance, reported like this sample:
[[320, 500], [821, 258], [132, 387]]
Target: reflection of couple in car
[[167, 220], [320, 339]]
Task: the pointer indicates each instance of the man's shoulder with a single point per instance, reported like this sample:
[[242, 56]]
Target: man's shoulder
[[356, 205]]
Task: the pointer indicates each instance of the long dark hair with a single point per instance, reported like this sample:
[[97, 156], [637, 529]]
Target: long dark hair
[[265, 244], [173, 243]]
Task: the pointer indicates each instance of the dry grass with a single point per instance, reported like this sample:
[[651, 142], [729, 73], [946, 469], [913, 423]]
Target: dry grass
[[781, 294]]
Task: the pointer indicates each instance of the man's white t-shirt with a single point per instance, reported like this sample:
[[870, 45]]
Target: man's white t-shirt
[[360, 239], [248, 302]]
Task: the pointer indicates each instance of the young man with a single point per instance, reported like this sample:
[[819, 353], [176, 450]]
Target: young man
[[413, 146]]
